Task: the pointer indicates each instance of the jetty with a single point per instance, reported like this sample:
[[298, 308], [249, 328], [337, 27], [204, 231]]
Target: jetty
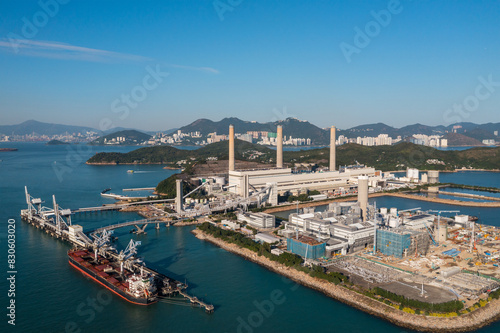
[[197, 302], [57, 223]]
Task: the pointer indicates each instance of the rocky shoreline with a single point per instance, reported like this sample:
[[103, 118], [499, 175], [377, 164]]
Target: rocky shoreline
[[464, 323]]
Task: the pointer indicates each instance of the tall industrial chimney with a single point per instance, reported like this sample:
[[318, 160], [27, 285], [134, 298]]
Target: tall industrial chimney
[[279, 148], [178, 198], [333, 137], [231, 148], [363, 196]]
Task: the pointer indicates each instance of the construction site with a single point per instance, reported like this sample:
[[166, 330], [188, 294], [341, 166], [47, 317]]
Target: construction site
[[461, 264]]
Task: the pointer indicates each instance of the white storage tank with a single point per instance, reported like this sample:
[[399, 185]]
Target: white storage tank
[[433, 176], [393, 222], [220, 181], [462, 219], [383, 211], [394, 211], [425, 178]]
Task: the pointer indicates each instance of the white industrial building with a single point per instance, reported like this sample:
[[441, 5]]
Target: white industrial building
[[258, 220], [265, 238]]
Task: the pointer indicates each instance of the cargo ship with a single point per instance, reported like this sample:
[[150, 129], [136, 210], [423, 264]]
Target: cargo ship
[[137, 285]]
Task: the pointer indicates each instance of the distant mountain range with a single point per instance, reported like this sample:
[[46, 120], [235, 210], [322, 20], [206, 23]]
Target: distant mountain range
[[39, 128], [291, 127], [319, 136]]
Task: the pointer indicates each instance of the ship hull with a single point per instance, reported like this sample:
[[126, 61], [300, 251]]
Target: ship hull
[[109, 286]]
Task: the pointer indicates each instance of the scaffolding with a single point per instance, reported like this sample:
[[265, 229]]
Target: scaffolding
[[306, 247], [402, 242]]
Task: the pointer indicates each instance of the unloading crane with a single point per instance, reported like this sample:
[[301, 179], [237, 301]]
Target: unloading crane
[[129, 252], [101, 240]]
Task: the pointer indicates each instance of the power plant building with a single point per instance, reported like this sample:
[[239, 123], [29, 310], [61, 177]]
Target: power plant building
[[342, 233], [286, 180], [240, 181], [306, 247]]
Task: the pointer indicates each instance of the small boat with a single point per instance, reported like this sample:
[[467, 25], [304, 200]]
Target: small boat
[[130, 171]]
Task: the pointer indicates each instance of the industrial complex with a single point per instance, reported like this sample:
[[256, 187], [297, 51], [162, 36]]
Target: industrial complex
[[429, 256], [415, 253]]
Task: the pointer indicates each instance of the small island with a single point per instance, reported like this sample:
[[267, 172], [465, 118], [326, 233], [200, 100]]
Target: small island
[[56, 143]]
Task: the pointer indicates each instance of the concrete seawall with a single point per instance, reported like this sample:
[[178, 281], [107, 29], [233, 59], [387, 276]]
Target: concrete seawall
[[445, 201], [464, 323]]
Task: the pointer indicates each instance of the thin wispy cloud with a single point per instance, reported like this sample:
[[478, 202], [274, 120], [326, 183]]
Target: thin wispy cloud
[[63, 51], [193, 68], [57, 50]]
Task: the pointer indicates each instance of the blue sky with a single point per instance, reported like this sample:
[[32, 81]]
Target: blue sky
[[256, 60]]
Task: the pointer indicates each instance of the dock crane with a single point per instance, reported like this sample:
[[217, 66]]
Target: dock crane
[[101, 240]]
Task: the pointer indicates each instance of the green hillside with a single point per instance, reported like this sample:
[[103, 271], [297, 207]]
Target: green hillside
[[401, 156], [167, 154], [385, 158], [132, 137]]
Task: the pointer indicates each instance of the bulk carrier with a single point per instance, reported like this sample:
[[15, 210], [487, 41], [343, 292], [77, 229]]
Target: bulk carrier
[[124, 276]]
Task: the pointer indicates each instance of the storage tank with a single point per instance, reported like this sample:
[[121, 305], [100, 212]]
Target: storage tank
[[220, 181], [383, 211], [394, 211], [433, 176], [425, 178], [393, 222]]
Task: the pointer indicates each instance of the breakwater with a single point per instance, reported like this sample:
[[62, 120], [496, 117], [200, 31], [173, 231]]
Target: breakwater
[[445, 201]]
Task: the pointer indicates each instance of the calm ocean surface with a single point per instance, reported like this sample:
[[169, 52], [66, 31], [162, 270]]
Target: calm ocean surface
[[53, 297]]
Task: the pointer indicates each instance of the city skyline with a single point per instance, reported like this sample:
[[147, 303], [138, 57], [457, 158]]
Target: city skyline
[[395, 62]]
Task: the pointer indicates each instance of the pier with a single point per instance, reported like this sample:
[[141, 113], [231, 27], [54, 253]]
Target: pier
[[139, 224], [139, 189], [196, 302], [57, 223], [98, 209]]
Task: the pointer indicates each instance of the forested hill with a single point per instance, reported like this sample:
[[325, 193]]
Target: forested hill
[[397, 157]]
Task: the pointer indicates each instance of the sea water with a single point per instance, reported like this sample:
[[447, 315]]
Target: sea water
[[51, 296]]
